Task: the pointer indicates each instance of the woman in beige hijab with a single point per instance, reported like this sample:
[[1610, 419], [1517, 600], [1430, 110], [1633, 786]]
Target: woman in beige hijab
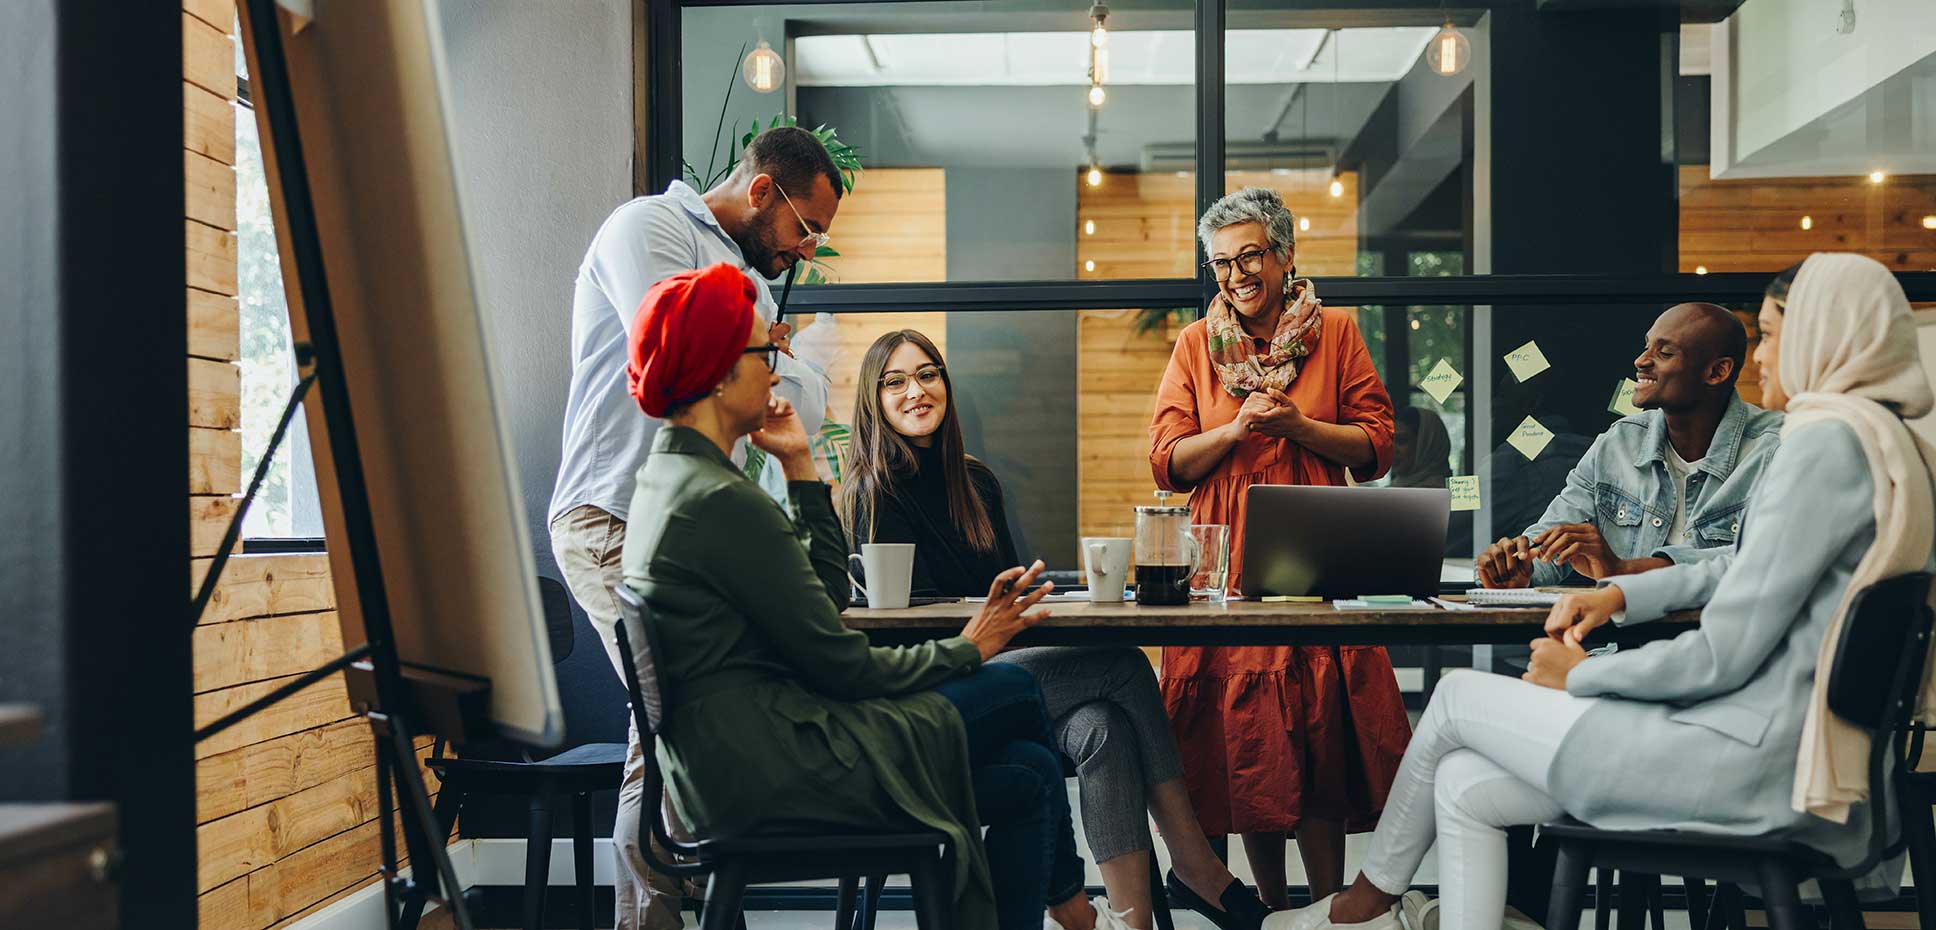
[[1723, 729]]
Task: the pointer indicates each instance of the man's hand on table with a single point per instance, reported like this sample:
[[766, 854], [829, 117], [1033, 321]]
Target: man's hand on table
[[1577, 615], [1507, 563], [1581, 547]]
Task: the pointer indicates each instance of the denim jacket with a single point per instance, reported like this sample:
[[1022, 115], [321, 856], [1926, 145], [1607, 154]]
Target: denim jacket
[[1622, 487]]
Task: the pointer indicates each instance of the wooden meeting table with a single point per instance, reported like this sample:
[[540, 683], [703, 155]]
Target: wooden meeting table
[[1245, 623]]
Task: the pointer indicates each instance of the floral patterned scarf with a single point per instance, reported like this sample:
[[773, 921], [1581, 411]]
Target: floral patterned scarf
[[1240, 367]]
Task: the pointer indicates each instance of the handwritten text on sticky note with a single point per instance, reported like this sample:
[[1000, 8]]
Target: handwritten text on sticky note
[[1530, 438], [1441, 381], [1465, 492], [1526, 361], [1622, 402]]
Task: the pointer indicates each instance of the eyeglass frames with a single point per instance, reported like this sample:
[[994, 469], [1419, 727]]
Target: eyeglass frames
[[819, 239]]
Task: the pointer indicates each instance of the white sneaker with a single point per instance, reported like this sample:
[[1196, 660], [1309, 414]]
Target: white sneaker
[[1318, 917], [1106, 919], [1418, 912]]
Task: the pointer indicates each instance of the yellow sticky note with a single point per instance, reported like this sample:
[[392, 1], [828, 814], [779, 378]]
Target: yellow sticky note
[[1465, 492], [1441, 381], [1622, 402], [1526, 361], [1530, 438]]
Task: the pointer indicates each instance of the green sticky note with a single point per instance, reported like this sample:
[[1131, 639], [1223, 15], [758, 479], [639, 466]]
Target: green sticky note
[[1441, 381], [1527, 361], [1622, 402], [1530, 438], [1465, 492], [1386, 600]]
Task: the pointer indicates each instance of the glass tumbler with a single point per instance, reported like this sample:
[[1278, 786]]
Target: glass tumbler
[[1213, 562]]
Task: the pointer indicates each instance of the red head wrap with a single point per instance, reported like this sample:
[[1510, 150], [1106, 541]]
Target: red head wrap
[[690, 330]]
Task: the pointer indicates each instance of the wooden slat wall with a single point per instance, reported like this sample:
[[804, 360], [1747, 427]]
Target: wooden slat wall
[[1145, 227], [892, 227], [1755, 225], [286, 802]]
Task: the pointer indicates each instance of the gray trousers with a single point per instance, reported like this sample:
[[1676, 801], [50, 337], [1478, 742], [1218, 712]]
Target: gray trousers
[[586, 542], [1109, 720]]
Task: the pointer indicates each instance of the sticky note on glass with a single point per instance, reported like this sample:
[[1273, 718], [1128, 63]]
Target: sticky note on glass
[[1526, 361], [1465, 492], [1622, 402], [1530, 438], [1441, 381]]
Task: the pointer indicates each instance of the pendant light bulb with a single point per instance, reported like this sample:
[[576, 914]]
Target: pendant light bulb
[[1449, 51], [763, 69], [1303, 224], [1337, 188], [1095, 176], [1096, 95]]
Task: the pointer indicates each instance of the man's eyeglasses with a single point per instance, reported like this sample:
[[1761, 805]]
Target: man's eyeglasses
[[1249, 262], [819, 239], [770, 354], [928, 376]]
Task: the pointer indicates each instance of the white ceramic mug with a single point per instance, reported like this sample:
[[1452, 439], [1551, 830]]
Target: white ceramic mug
[[1106, 560], [889, 568]]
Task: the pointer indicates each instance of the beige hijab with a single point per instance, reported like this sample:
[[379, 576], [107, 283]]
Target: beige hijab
[[1848, 354]]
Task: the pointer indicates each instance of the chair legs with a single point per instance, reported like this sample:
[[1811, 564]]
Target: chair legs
[[1919, 823], [929, 883], [1844, 912], [1636, 900], [723, 893], [537, 863], [870, 903], [1569, 890], [844, 904], [1603, 899], [581, 855], [1696, 902], [1781, 899]]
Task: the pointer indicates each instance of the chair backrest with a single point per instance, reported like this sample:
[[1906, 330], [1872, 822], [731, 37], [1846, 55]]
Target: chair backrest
[[1874, 682], [639, 656], [588, 686]]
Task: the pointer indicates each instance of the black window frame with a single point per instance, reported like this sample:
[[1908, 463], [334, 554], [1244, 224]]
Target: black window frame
[[658, 62]]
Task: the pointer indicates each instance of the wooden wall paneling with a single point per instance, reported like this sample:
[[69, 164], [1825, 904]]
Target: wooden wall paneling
[[208, 519], [1755, 224], [214, 394], [208, 57], [217, 13], [214, 461], [327, 701], [208, 124], [265, 585], [211, 258], [230, 654], [214, 326], [210, 189]]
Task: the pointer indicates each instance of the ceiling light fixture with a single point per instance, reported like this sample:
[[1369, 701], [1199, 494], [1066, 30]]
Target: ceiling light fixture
[[763, 69], [1929, 222], [1098, 54], [1700, 269], [1089, 265], [1337, 188], [1808, 222], [1303, 224], [1096, 95], [1095, 176], [1088, 227], [1876, 176], [1449, 51]]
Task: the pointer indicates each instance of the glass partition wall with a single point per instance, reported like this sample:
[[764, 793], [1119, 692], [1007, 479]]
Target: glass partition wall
[[1469, 181]]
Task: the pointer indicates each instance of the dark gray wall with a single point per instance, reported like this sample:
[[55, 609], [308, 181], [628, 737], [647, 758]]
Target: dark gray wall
[[543, 106], [1015, 373]]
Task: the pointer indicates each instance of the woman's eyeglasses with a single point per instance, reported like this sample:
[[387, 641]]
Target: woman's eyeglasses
[[769, 353], [819, 239], [928, 376], [1249, 262]]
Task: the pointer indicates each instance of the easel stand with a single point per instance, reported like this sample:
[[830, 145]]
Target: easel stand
[[399, 702]]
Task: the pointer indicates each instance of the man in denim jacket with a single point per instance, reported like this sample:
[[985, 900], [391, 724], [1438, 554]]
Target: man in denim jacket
[[1666, 485]]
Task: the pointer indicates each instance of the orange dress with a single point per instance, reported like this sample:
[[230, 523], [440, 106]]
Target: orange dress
[[1272, 733]]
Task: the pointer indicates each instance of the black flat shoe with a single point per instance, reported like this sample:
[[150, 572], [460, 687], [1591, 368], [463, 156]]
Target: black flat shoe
[[1241, 908]]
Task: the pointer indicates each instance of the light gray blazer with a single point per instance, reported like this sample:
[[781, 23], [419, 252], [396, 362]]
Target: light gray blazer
[[1700, 732]]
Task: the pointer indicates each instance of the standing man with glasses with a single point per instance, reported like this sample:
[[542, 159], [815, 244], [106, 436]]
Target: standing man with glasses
[[769, 215]]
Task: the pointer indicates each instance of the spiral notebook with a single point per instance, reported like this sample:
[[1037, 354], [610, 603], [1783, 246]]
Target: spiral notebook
[[1512, 597]]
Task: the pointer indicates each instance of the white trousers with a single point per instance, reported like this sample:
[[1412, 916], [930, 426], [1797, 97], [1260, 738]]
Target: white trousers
[[1477, 764]]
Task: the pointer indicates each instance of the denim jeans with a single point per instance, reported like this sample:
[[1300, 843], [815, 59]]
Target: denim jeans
[[1019, 793]]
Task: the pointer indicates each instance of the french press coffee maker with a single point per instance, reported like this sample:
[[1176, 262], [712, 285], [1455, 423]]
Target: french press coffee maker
[[1166, 556]]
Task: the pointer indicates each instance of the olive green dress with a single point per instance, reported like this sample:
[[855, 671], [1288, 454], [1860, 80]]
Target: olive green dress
[[780, 719]]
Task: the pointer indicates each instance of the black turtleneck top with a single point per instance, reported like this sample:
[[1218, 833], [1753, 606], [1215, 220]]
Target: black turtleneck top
[[914, 508]]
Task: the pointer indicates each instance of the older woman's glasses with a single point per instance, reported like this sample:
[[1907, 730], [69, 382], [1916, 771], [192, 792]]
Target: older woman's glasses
[[819, 239], [1249, 262], [769, 353], [928, 376]]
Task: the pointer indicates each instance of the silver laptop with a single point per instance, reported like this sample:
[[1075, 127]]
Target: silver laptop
[[1343, 542]]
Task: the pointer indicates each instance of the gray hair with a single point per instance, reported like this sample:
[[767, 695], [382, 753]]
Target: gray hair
[[1259, 205]]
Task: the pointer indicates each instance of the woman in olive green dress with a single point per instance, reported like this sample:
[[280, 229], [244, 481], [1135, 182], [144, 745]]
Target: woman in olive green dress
[[782, 720]]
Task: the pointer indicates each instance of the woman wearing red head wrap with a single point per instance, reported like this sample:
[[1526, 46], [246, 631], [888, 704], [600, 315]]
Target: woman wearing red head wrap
[[783, 720]]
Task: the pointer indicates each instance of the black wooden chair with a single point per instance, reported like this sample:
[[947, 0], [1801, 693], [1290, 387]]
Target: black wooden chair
[[736, 862], [577, 773], [1874, 682]]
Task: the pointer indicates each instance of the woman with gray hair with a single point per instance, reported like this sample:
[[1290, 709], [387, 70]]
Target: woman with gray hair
[[1273, 388]]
